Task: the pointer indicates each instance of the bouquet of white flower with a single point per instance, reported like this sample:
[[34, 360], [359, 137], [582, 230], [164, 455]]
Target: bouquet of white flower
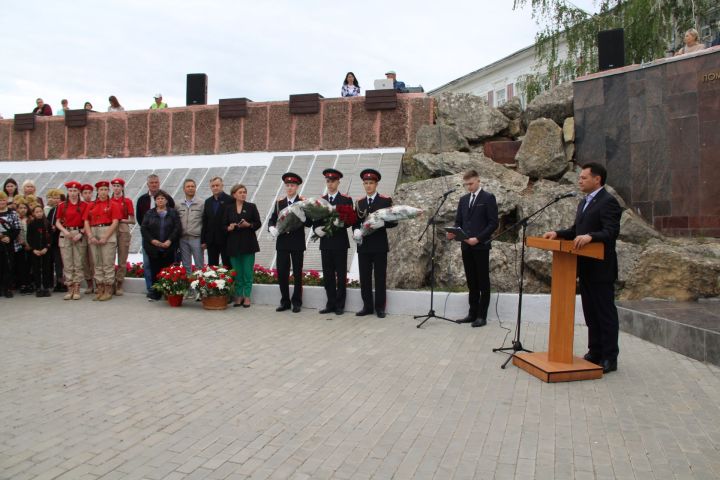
[[378, 218], [211, 281], [316, 208]]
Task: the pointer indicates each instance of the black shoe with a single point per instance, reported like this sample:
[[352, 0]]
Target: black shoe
[[9, 294], [592, 358], [609, 365], [282, 308], [468, 319], [296, 308], [39, 294], [326, 310], [363, 312], [47, 293], [339, 311], [380, 313], [480, 322]]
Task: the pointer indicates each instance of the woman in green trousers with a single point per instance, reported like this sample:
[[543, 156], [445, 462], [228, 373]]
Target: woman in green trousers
[[242, 220]]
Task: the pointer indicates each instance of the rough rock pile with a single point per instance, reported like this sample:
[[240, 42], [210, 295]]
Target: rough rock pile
[[650, 265]]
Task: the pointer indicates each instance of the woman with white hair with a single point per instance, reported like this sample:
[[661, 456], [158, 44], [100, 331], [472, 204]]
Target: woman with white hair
[[692, 43], [28, 189]]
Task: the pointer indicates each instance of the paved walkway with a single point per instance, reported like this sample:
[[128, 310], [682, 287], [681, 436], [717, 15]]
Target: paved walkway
[[137, 390]]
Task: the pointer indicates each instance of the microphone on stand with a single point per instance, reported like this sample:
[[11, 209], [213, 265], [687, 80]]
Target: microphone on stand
[[566, 195], [449, 192]]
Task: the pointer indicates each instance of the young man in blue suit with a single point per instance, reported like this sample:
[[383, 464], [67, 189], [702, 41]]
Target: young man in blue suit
[[477, 215], [597, 220]]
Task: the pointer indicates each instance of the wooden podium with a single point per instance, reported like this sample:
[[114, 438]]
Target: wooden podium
[[558, 364]]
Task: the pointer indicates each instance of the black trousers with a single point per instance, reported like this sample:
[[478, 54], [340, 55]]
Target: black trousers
[[334, 267], [215, 253], [601, 318], [160, 260], [477, 274], [7, 259], [42, 270], [370, 263], [22, 269], [284, 258]]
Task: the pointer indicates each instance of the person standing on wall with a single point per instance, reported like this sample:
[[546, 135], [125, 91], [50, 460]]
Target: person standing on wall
[[334, 249], [123, 232], [144, 203], [290, 246], [477, 215], [373, 251], [213, 236], [597, 220]]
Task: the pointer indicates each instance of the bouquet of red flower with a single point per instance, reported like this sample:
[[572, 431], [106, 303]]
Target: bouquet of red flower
[[172, 280], [212, 281], [342, 216]]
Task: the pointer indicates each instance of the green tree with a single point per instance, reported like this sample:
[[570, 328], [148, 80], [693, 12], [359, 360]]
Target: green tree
[[652, 27]]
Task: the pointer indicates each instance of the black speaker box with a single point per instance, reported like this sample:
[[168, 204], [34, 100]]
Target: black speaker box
[[196, 89], [611, 49]]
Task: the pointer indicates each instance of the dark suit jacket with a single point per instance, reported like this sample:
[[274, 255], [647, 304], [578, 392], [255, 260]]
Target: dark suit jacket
[[480, 221], [292, 241], [376, 242], [339, 241], [143, 205], [213, 231], [150, 230], [600, 220], [242, 240]]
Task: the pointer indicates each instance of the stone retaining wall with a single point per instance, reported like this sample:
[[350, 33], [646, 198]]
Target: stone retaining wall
[[342, 123]]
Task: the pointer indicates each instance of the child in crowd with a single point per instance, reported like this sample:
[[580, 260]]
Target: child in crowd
[[39, 239], [22, 263]]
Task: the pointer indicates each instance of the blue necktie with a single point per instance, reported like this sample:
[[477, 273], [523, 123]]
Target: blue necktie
[[588, 199]]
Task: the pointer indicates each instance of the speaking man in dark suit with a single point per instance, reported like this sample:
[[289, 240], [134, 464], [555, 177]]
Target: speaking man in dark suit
[[372, 253], [213, 235], [290, 246], [597, 220], [477, 215], [334, 249]]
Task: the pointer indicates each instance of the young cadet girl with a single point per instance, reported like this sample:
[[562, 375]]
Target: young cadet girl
[[39, 238], [123, 232], [86, 195], [70, 224], [101, 221]]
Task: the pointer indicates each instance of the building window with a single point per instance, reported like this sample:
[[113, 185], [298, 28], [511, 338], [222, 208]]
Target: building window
[[490, 98], [500, 97]]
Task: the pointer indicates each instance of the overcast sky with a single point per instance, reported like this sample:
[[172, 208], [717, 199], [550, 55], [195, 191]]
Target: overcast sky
[[263, 50]]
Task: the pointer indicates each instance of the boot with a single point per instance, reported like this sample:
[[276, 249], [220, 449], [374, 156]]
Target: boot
[[99, 291], [118, 288], [89, 288], [76, 291], [107, 292], [69, 294]]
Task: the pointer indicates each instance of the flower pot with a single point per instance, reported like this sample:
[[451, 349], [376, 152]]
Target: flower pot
[[174, 300], [215, 303]]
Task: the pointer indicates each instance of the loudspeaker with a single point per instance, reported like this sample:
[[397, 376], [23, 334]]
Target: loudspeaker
[[196, 89], [611, 49]]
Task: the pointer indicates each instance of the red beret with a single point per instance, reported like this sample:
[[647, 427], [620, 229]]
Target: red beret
[[102, 183], [73, 184], [117, 180], [87, 186]]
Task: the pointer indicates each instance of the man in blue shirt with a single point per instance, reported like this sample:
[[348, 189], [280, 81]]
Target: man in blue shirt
[[397, 85]]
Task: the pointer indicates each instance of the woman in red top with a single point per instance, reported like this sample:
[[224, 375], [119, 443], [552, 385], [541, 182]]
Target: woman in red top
[[70, 222], [123, 232], [101, 221]]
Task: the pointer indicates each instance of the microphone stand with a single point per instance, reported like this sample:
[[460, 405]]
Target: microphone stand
[[516, 344], [432, 221]]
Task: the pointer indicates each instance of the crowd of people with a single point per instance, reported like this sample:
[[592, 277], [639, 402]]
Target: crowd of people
[[82, 233], [350, 88]]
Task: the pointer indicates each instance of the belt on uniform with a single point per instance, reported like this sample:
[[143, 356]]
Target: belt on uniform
[[73, 228], [102, 225]]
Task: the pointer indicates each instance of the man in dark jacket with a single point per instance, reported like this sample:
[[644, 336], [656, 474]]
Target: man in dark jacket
[[334, 248], [290, 246], [145, 202], [213, 235], [373, 251], [477, 215], [597, 220]]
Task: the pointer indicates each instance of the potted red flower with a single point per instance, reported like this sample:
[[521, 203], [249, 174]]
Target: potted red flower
[[173, 282]]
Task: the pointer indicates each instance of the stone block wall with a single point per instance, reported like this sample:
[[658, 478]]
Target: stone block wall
[[342, 123], [657, 129]]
